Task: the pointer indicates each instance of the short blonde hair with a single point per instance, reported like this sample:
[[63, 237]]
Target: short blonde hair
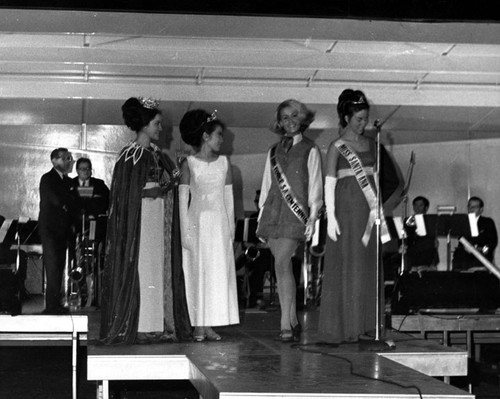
[[307, 116]]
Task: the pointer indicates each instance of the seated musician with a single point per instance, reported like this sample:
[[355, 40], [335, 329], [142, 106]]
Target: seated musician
[[93, 194], [257, 259], [486, 242], [422, 251]]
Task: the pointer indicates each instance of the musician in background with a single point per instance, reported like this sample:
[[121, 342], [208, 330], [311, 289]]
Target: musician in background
[[57, 204], [486, 242], [422, 251], [257, 260], [94, 200]]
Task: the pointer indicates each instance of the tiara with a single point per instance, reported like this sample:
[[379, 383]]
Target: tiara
[[212, 117], [360, 100], [149, 102]]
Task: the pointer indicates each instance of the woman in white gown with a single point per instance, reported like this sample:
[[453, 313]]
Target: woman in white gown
[[207, 227]]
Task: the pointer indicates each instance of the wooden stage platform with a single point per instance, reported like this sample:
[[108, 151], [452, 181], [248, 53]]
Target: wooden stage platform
[[249, 363]]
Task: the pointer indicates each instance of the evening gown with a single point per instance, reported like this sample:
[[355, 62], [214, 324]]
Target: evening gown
[[142, 281], [209, 268], [348, 296]]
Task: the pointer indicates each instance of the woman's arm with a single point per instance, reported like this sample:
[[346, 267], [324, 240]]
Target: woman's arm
[[186, 227], [229, 173], [315, 184], [266, 184], [185, 173], [332, 158], [229, 200]]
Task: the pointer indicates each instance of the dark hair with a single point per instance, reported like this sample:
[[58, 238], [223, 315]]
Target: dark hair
[[55, 154], [136, 116], [196, 122], [307, 115], [83, 160], [423, 199], [350, 102], [481, 202]]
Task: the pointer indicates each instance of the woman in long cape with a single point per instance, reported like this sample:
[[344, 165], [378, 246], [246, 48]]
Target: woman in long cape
[[143, 240]]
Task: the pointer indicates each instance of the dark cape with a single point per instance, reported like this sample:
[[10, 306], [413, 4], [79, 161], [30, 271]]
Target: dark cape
[[120, 282]]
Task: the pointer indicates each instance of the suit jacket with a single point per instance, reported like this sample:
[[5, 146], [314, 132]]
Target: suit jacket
[[487, 238], [98, 203], [56, 204]]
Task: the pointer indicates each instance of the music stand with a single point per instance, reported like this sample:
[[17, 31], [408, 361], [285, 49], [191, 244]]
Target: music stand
[[16, 233], [19, 232], [456, 225], [246, 231]]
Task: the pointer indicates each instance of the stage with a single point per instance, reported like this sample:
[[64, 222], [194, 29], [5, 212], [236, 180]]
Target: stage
[[249, 363]]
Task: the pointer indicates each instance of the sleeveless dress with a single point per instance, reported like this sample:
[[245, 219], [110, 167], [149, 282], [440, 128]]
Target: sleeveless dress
[[209, 269], [348, 293]]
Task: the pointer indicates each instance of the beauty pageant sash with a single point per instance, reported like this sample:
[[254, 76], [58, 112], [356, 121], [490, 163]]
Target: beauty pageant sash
[[286, 190], [368, 191]]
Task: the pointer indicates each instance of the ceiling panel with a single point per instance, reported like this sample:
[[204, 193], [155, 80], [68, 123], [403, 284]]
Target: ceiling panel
[[427, 82]]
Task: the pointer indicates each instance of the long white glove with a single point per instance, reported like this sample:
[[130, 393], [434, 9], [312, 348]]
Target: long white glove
[[333, 225], [186, 231], [229, 204]]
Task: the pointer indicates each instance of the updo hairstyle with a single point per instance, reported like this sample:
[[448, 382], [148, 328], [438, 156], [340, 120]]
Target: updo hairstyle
[[350, 102], [196, 122], [307, 116], [136, 115]]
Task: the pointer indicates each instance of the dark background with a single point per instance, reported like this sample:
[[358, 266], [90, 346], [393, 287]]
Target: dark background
[[427, 10]]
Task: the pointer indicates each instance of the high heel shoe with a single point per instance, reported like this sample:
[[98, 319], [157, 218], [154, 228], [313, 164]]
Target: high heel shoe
[[199, 334], [296, 332], [285, 336], [211, 335], [142, 339]]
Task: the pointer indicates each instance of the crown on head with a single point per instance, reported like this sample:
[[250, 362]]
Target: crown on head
[[212, 117], [359, 100], [148, 102]]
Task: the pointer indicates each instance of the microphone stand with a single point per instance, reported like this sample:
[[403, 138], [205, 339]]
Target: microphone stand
[[378, 225], [404, 236], [378, 344]]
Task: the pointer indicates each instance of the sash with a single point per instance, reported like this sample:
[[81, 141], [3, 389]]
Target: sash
[[286, 190], [368, 191]]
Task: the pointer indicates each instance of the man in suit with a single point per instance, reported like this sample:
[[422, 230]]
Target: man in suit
[[486, 242], [55, 225], [92, 202], [422, 251]]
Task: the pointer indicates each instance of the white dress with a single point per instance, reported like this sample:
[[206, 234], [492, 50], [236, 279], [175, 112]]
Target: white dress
[[209, 269]]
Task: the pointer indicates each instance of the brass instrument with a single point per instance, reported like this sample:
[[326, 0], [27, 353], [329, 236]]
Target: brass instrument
[[317, 243], [81, 272], [252, 253], [410, 222], [312, 265]]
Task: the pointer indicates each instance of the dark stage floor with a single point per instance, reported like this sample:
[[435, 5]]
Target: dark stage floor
[[42, 372]]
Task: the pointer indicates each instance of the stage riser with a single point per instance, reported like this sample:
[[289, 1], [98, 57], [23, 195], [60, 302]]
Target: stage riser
[[446, 290]]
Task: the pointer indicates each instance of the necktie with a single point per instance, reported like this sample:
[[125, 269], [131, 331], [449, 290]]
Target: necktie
[[287, 142]]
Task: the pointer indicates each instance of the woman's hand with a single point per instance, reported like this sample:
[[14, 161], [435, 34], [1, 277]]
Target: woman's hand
[[310, 228], [333, 228]]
